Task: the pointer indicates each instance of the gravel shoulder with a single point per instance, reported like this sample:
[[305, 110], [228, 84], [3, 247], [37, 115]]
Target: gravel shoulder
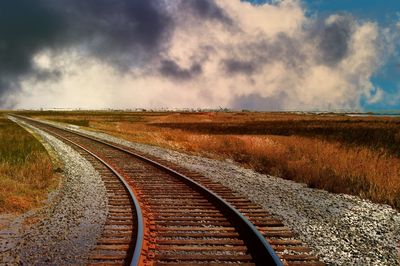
[[342, 229], [68, 226]]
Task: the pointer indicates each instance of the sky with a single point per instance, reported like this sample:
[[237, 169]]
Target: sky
[[311, 55]]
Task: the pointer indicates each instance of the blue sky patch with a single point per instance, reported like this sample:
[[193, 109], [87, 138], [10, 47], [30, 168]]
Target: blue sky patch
[[387, 14]]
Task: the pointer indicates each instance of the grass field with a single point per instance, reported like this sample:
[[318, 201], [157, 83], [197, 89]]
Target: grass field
[[26, 172], [341, 154]]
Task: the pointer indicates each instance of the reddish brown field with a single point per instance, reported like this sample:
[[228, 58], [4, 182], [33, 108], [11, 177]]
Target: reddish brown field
[[341, 154]]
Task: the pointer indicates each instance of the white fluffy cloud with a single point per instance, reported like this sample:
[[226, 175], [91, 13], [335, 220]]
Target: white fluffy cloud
[[265, 57]]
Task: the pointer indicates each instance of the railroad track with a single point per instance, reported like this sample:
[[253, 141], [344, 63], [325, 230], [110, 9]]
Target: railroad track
[[162, 214]]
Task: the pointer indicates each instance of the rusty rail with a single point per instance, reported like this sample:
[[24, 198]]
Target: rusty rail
[[261, 252]]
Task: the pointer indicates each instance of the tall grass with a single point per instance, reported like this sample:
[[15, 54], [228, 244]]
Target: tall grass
[[26, 172], [367, 132], [357, 156], [321, 164], [326, 164]]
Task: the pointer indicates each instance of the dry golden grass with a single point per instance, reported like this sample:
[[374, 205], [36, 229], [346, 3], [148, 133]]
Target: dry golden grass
[[26, 172], [330, 165], [320, 164], [358, 156]]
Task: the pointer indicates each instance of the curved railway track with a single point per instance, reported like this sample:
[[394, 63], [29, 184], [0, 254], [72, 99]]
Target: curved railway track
[[162, 214]]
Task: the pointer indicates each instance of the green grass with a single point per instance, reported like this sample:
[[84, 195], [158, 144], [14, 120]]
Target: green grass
[[26, 172], [16, 145]]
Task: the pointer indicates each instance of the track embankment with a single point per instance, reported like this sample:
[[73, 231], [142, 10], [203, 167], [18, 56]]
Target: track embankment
[[180, 216]]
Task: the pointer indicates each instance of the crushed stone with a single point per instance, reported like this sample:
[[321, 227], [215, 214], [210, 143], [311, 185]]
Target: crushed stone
[[341, 229], [71, 221]]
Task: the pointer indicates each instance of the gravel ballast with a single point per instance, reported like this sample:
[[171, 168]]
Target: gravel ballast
[[71, 221], [341, 229]]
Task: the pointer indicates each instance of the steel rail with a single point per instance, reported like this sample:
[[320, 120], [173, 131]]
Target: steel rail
[[260, 250], [139, 214]]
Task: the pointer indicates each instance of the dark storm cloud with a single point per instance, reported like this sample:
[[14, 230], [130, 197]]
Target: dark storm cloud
[[26, 27], [123, 33], [333, 44], [207, 9], [47, 75], [334, 39], [234, 66], [255, 101], [171, 69], [249, 58]]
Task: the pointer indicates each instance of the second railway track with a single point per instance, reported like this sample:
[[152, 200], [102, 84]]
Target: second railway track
[[162, 214]]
